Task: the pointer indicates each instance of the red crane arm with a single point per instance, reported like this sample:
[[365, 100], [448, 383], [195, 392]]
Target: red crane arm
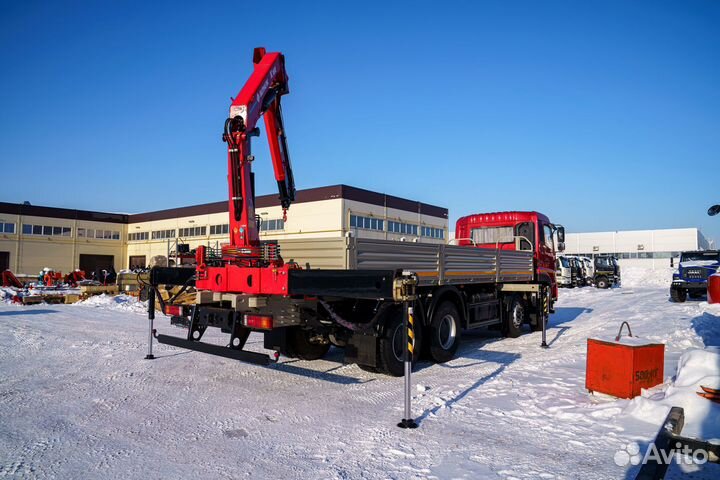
[[260, 96]]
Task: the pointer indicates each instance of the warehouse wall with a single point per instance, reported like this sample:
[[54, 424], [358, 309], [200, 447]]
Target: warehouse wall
[[321, 219], [309, 220], [637, 248], [30, 253], [386, 214], [304, 220]]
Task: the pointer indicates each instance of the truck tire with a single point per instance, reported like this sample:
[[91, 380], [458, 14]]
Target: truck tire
[[392, 344], [602, 282], [300, 346], [678, 295], [515, 318], [444, 332]]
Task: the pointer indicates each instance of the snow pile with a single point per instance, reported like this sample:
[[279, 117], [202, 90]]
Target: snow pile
[[645, 277], [696, 368], [54, 290], [125, 303], [7, 293]]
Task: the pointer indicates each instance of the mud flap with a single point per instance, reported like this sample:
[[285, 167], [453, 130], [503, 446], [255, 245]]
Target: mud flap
[[276, 339], [362, 349]]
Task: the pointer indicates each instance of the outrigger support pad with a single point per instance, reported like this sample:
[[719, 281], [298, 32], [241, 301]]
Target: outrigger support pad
[[151, 317], [221, 351], [407, 423]]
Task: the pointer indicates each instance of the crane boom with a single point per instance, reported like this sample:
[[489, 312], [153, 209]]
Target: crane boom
[[259, 97]]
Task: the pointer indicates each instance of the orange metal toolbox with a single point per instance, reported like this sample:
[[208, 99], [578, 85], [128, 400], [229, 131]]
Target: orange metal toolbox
[[621, 366]]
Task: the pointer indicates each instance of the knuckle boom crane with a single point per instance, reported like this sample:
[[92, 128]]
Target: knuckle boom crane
[[245, 258]]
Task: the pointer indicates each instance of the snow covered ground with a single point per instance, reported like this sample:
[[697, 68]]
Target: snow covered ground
[[77, 400]]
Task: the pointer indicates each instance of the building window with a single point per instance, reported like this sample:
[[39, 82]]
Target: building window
[[400, 227], [432, 232], [98, 234], [368, 223], [138, 236], [193, 232], [7, 227], [272, 225], [163, 234], [45, 230], [219, 229]]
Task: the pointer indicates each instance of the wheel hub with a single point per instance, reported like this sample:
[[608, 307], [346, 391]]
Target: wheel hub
[[517, 317], [447, 332]]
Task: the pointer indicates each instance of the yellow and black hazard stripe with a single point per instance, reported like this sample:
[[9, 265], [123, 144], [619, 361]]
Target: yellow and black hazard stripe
[[411, 332]]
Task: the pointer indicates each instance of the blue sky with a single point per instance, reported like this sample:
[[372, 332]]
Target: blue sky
[[604, 115]]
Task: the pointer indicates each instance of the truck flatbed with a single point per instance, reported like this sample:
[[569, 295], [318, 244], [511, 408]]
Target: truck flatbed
[[434, 264]]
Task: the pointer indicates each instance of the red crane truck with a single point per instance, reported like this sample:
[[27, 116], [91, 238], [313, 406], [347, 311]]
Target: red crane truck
[[303, 311]]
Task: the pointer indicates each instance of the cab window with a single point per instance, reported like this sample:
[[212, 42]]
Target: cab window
[[548, 237]]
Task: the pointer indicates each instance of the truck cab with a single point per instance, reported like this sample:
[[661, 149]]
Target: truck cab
[[691, 278], [577, 274], [563, 272], [606, 271], [519, 231], [589, 270]]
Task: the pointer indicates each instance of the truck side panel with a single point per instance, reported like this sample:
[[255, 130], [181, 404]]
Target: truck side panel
[[434, 264], [319, 253]]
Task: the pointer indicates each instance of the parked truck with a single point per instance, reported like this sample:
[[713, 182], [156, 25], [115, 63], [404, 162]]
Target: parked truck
[[276, 288], [606, 271], [691, 278], [589, 270], [563, 272]]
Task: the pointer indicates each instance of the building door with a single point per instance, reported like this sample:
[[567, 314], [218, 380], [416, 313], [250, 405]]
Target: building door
[[136, 261], [96, 263], [4, 261]]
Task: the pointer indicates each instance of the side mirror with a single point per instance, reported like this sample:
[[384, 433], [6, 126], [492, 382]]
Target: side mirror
[[561, 235], [561, 246], [714, 210]]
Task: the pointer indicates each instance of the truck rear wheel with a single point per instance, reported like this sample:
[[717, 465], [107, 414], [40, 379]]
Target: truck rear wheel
[[393, 342], [299, 345], [602, 282], [678, 295], [515, 318], [444, 332]]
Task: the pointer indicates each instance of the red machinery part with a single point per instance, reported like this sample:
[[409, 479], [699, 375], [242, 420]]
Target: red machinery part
[[713, 289], [175, 310], [251, 280], [10, 280]]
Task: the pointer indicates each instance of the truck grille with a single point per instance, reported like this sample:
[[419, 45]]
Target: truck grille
[[696, 273]]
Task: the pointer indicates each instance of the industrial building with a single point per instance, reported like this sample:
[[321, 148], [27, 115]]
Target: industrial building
[[33, 237], [641, 248]]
